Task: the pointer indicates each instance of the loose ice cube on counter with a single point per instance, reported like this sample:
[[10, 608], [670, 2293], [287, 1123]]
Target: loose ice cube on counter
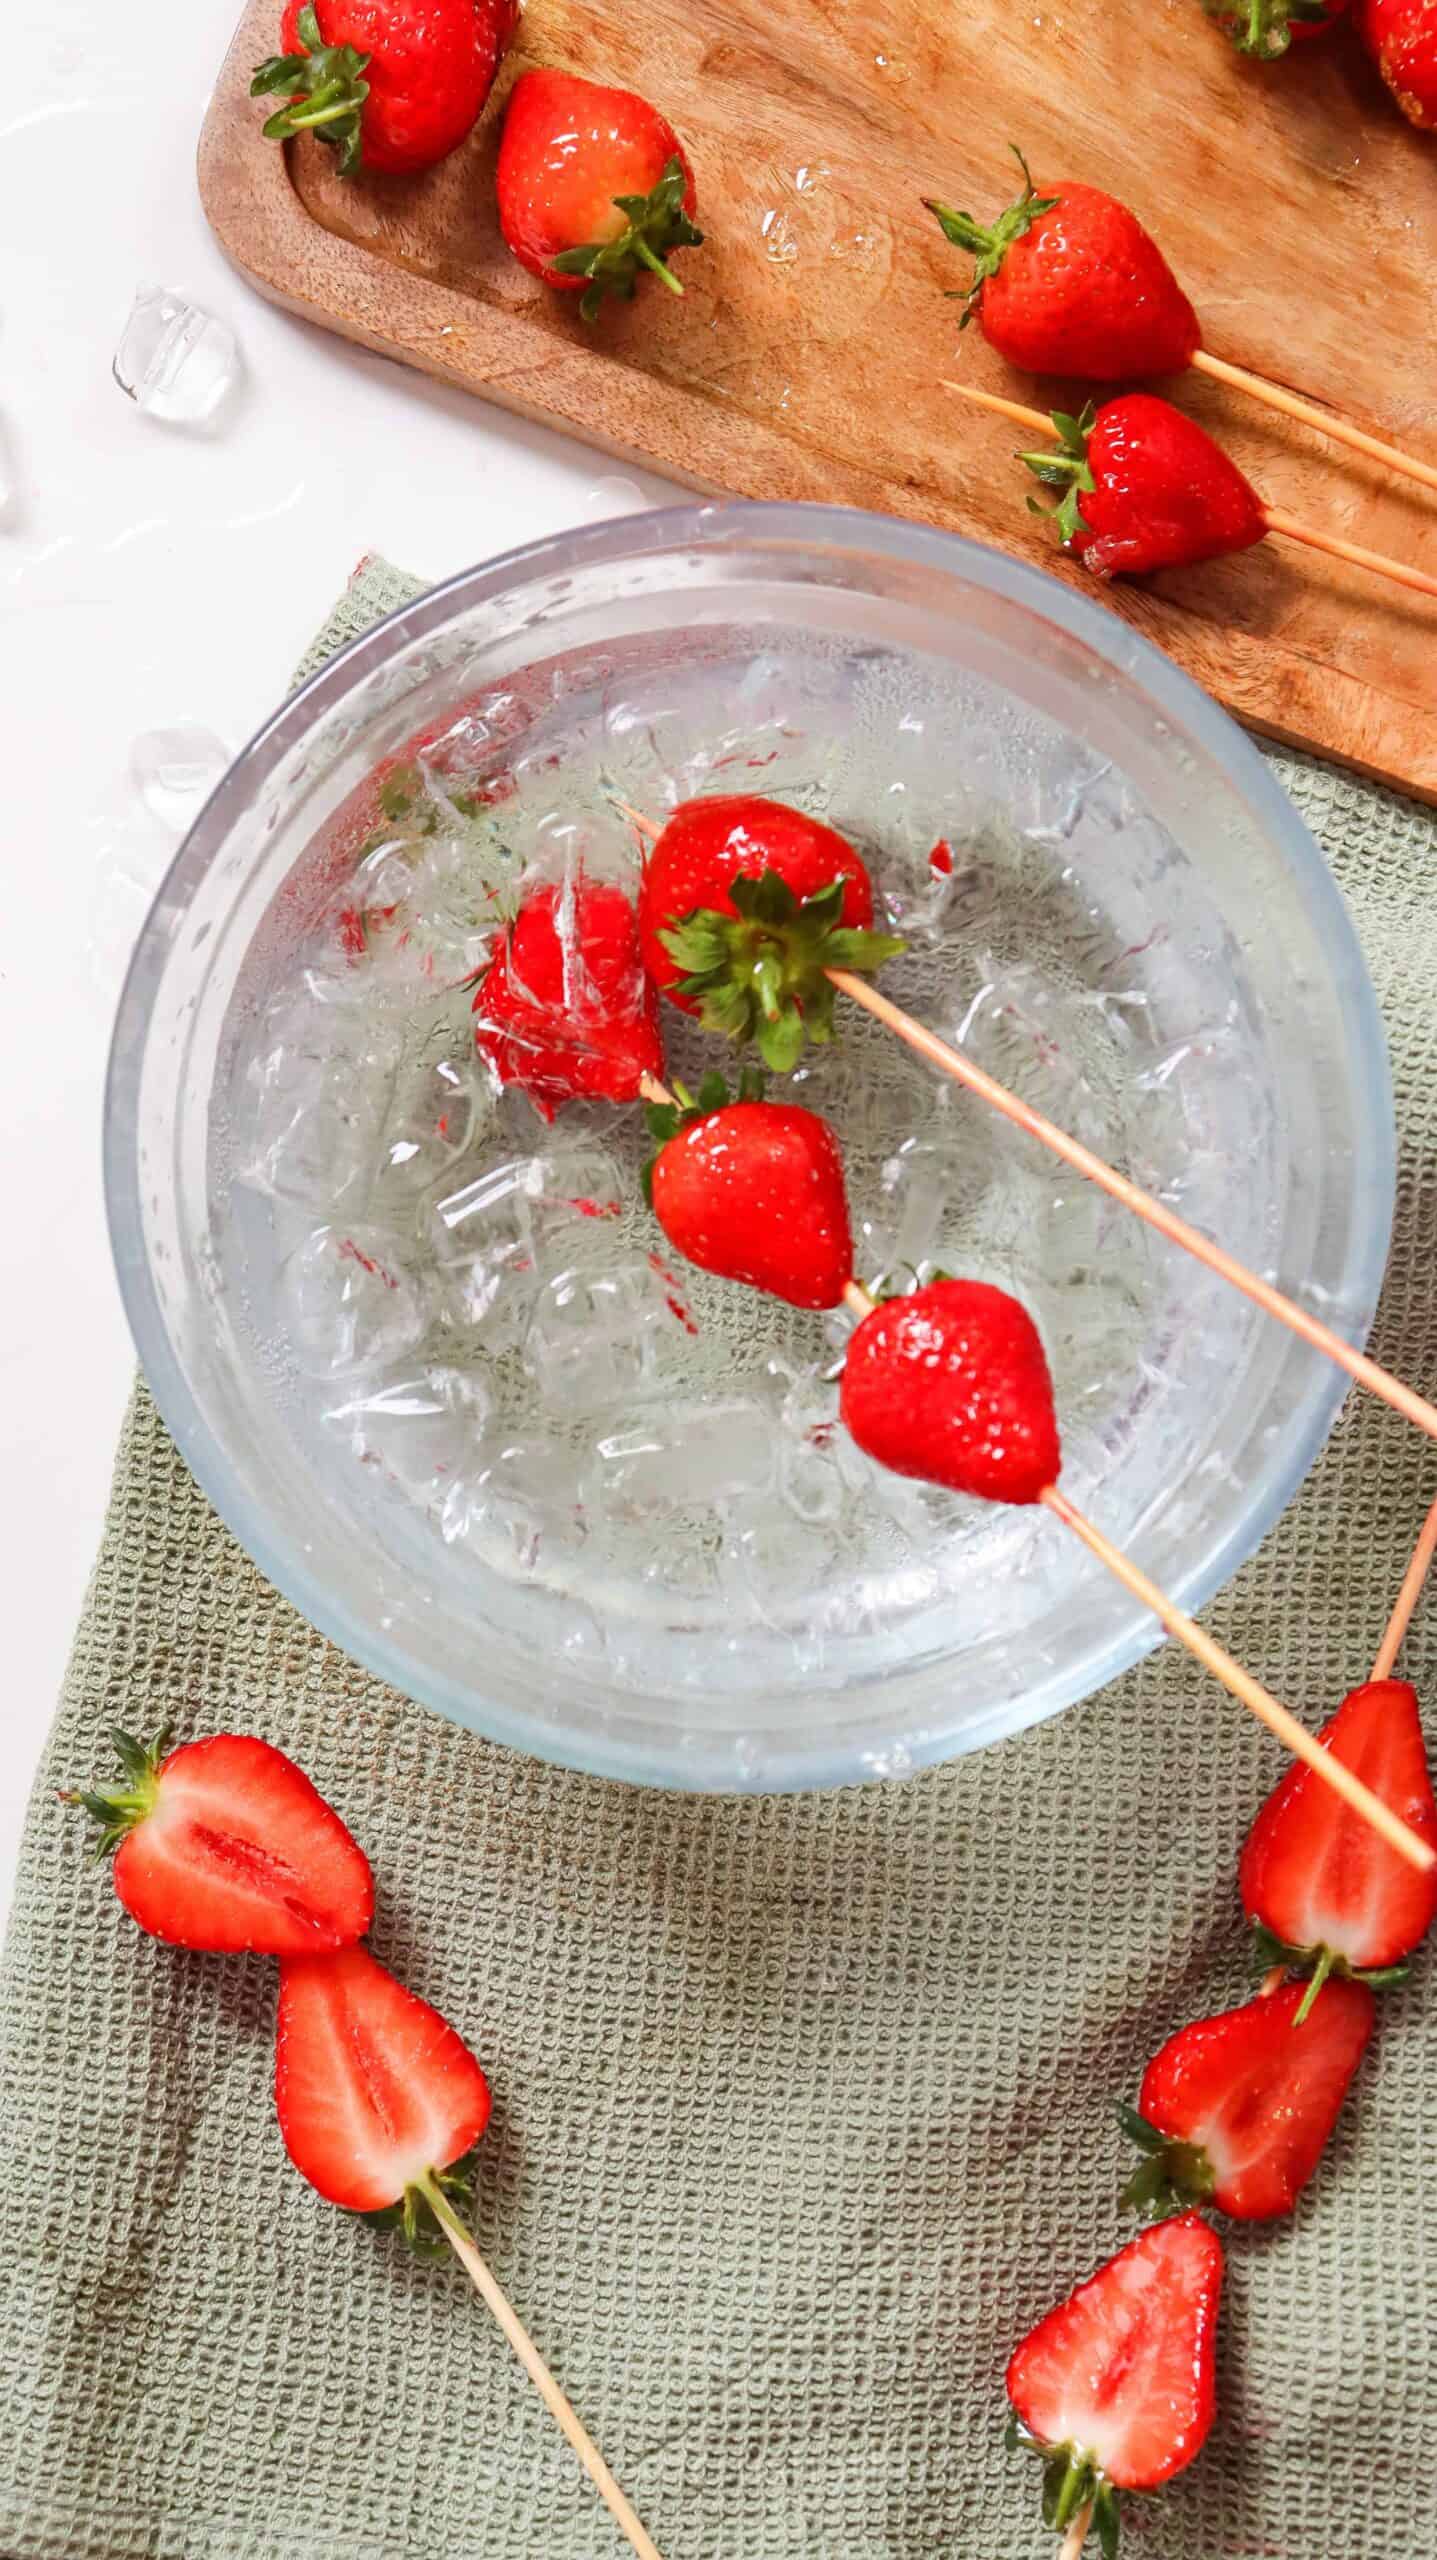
[[176, 361], [351, 1302], [175, 770]]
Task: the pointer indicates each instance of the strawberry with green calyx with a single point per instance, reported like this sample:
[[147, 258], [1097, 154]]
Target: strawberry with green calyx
[[390, 85], [594, 188], [1266, 28], [753, 1191], [745, 904], [1235, 2110], [1144, 488]]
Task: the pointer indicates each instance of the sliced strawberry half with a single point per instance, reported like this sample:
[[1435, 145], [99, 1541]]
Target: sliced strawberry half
[[224, 1844], [377, 2095]]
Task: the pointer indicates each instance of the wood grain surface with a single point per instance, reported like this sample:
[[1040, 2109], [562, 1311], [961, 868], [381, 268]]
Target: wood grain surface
[[805, 361]]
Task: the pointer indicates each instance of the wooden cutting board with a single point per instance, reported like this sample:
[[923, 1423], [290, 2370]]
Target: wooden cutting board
[[805, 360]]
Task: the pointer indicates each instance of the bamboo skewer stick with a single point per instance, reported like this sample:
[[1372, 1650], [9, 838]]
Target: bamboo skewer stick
[[1407, 1598], [963, 1070], [1277, 519], [1077, 2533], [559, 2408], [1292, 405]]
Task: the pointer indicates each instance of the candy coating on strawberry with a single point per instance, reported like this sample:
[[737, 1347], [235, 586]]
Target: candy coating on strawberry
[[950, 1383], [390, 84], [224, 1844], [1237, 2109], [754, 1191], [564, 1009], [594, 187], [1401, 36], [1119, 2382], [1144, 487], [373, 2088], [1069, 282], [1315, 1875]]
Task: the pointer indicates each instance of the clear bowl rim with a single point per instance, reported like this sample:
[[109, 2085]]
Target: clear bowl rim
[[711, 525]]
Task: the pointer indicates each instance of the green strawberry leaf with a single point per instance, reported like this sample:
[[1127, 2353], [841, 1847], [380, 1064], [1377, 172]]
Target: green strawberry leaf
[[656, 225], [989, 244], [325, 89]]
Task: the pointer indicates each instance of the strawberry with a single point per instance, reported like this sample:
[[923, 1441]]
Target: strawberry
[[1116, 2388], [950, 1383], [754, 1191], [594, 185], [225, 1845], [1266, 28], [1235, 2110], [377, 2096], [564, 1009], [1143, 487], [1401, 36], [388, 84], [1069, 282], [745, 903], [1320, 1886]]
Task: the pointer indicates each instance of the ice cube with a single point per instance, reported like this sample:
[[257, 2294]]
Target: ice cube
[[175, 770], [423, 1432], [522, 1503], [482, 1238], [351, 1302], [420, 918], [321, 1095], [579, 1199], [437, 1109], [684, 1457], [595, 1333], [176, 361]]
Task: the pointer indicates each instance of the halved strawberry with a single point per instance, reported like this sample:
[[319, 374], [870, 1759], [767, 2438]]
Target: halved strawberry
[[225, 1845], [1322, 1889], [1116, 2388], [377, 2095], [1235, 2110]]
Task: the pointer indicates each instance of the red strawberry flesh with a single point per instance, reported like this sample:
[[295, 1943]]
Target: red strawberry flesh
[[755, 1192], [1315, 1874], [373, 2087], [1123, 2371], [1257, 2095], [563, 1009], [950, 1384]]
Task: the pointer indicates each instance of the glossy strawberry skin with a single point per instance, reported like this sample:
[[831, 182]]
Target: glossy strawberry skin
[[239, 1853], [1124, 2370], [1315, 1874], [564, 1009], [755, 1192], [1165, 494], [1257, 2094], [950, 1384], [432, 65], [1401, 36], [708, 844], [569, 147], [372, 2086], [1086, 290]]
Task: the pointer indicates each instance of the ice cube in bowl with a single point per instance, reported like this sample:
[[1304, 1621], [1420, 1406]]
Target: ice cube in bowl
[[475, 1454]]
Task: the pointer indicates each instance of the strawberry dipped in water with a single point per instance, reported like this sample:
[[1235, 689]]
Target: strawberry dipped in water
[[1141, 486], [950, 1383], [745, 904], [1235, 2111], [753, 1190], [1266, 29], [1116, 2389], [594, 187], [225, 1845], [1323, 1892], [564, 1009], [389, 85]]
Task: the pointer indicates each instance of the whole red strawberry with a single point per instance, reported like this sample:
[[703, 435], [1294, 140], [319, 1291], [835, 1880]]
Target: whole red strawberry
[[1143, 487], [754, 1191], [950, 1384], [564, 1009], [1323, 1889], [1401, 36], [745, 904], [225, 1845], [1068, 281], [1235, 2110], [377, 2095], [388, 84], [594, 186], [1266, 28], [1117, 2388]]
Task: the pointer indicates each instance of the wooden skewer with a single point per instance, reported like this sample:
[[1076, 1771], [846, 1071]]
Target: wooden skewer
[[1077, 2533], [538, 2372], [1408, 1597], [1277, 519], [963, 1070], [1292, 405]]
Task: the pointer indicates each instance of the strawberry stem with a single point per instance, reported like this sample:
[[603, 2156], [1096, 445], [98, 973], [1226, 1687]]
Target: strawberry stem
[[656, 266], [1321, 1971], [989, 243], [118, 1809]]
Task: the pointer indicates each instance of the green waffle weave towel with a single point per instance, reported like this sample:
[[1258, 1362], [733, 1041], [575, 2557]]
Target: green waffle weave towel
[[803, 2105]]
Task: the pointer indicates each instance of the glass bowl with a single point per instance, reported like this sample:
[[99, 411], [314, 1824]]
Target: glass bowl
[[600, 1508]]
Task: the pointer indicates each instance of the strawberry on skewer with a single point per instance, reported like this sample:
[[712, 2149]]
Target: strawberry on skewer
[[1068, 281], [564, 1009], [594, 188]]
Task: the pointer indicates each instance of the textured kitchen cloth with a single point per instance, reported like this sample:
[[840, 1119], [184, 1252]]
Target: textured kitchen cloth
[[802, 2105]]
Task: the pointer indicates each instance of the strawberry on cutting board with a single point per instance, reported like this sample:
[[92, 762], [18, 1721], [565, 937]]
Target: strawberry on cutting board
[[1068, 281], [745, 903], [1320, 1886], [1116, 2388], [389, 84], [950, 1383], [564, 1009], [225, 1845], [1235, 2111], [1266, 29], [1141, 486], [754, 1191], [376, 2093], [594, 187], [1401, 36]]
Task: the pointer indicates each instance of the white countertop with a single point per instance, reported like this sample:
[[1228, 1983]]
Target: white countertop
[[150, 578]]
